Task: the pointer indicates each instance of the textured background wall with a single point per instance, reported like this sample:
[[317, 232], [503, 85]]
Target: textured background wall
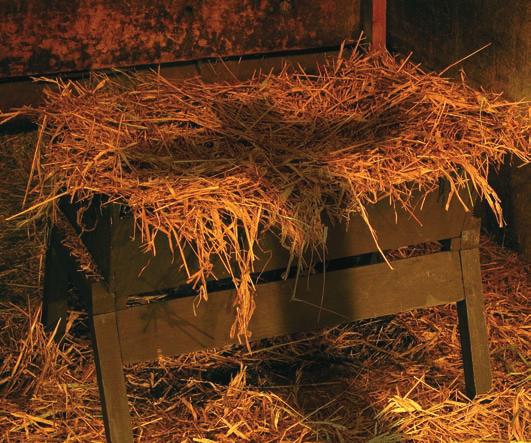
[[443, 31], [75, 35]]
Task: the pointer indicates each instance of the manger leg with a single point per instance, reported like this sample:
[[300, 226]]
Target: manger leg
[[109, 368], [56, 283], [472, 327]]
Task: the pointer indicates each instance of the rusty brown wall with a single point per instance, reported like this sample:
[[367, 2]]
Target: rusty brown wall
[[443, 31], [40, 36]]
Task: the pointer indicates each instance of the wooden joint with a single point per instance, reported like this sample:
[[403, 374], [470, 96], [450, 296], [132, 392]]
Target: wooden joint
[[470, 239], [471, 232], [102, 301]]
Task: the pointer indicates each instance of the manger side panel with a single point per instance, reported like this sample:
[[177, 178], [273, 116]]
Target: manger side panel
[[135, 271], [170, 327], [430, 222], [61, 36]]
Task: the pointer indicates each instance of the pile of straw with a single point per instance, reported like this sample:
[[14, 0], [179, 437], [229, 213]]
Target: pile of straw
[[214, 166]]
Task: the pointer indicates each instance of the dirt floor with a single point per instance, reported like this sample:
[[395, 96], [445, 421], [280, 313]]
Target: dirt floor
[[385, 380]]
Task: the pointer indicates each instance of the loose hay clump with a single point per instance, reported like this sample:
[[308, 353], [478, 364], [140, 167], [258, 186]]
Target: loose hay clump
[[214, 166]]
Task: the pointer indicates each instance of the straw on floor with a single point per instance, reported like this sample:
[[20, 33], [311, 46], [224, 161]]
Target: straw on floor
[[215, 166]]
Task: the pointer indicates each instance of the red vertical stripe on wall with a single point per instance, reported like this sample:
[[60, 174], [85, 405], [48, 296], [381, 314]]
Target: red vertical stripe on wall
[[379, 24]]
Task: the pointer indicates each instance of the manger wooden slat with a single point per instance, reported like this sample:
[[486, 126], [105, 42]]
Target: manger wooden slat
[[75, 35], [430, 222], [129, 270], [134, 271], [170, 327]]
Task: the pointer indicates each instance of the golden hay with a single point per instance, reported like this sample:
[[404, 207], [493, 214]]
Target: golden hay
[[215, 166]]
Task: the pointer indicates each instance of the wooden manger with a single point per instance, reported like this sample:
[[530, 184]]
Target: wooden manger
[[359, 285], [352, 283]]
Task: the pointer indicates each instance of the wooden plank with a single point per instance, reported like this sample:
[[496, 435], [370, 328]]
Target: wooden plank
[[470, 232], [136, 272], [56, 285], [75, 35], [429, 222], [133, 270], [111, 382], [95, 228], [472, 327], [171, 328]]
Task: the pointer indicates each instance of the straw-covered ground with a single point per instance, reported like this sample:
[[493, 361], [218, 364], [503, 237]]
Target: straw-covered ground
[[386, 380], [215, 166]]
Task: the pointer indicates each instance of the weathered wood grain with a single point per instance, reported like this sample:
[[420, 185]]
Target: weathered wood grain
[[170, 327], [379, 24]]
